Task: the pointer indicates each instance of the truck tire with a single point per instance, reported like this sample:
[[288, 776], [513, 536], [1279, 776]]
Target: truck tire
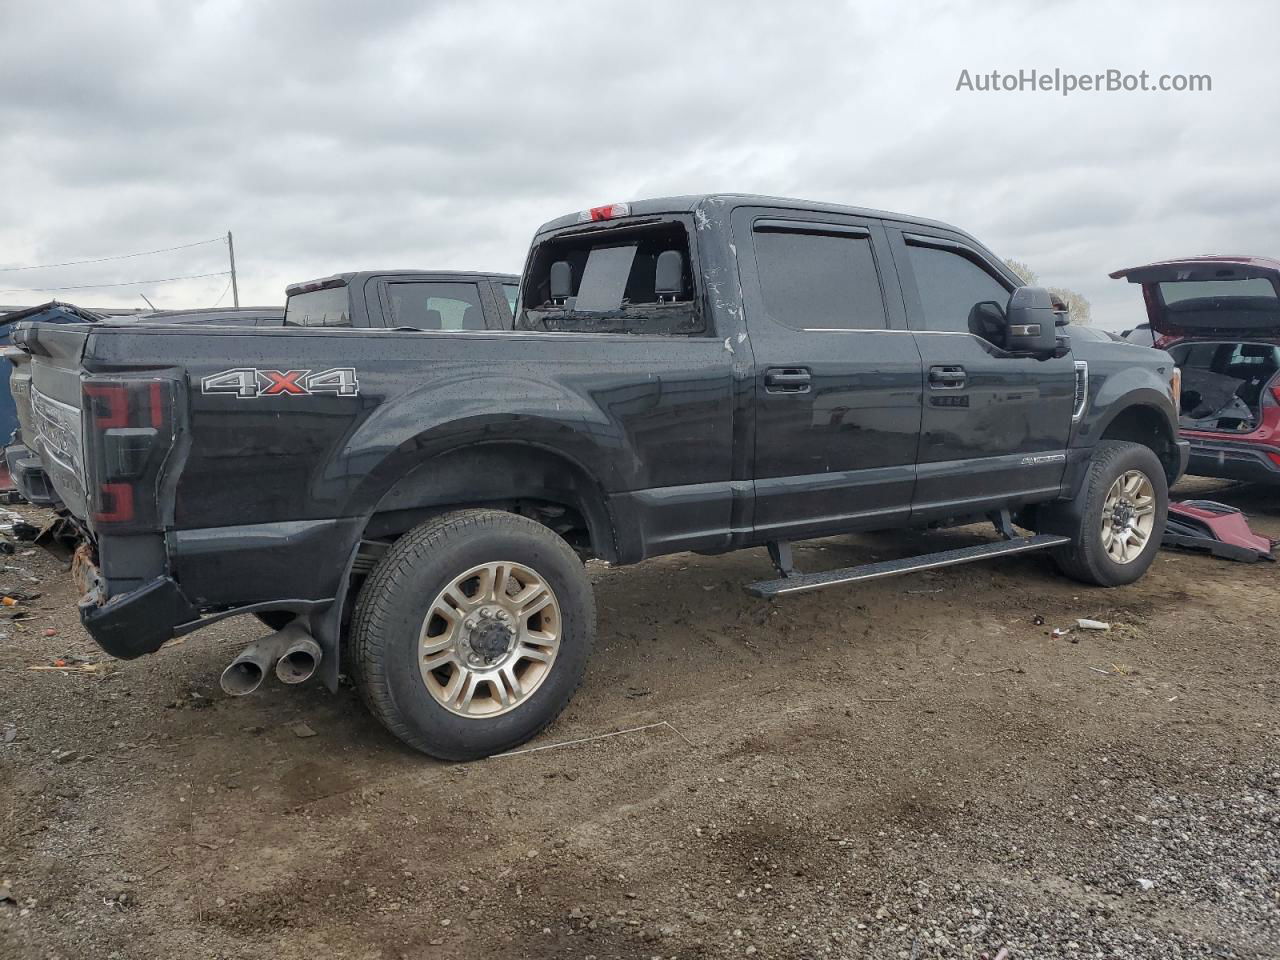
[[472, 633], [1117, 519]]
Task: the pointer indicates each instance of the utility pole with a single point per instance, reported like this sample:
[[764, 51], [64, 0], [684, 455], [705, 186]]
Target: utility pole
[[231, 252]]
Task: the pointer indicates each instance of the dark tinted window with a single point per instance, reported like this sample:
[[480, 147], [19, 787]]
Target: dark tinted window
[[319, 308], [819, 281], [1179, 290], [429, 305], [949, 285]]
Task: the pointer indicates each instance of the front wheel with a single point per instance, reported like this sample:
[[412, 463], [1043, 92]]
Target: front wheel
[[1116, 521], [472, 633]]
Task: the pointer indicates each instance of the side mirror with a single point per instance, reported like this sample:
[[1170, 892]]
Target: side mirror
[[986, 320], [1030, 322]]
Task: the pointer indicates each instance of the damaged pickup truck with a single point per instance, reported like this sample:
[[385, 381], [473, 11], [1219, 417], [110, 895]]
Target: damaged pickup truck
[[685, 374], [1219, 318]]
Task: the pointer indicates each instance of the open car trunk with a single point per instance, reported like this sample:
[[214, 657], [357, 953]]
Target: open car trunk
[[1226, 384], [1219, 317], [1210, 296]]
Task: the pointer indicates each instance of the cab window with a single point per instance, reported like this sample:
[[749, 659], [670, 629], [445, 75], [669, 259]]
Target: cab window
[[950, 284], [819, 281], [434, 305]]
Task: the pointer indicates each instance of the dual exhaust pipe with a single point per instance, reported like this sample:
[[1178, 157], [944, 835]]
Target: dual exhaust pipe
[[292, 652]]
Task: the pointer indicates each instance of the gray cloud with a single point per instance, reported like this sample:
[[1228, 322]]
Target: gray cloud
[[331, 137]]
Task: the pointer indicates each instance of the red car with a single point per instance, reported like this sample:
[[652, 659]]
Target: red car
[[1219, 317]]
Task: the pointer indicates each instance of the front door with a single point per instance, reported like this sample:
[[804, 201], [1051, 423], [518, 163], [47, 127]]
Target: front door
[[994, 427], [837, 383]]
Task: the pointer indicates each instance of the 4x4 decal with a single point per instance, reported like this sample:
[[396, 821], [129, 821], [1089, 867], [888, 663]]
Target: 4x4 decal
[[250, 382]]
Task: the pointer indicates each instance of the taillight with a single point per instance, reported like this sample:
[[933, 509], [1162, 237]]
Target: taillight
[[1275, 391], [129, 431], [610, 211]]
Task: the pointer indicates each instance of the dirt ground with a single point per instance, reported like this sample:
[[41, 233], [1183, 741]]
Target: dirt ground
[[912, 768]]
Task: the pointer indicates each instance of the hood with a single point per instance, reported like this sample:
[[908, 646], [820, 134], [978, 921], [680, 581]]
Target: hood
[[1210, 296]]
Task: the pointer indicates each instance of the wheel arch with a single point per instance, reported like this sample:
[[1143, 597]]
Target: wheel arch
[[1147, 424], [485, 473]]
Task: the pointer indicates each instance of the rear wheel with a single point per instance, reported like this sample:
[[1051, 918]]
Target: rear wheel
[[472, 633], [1117, 520]]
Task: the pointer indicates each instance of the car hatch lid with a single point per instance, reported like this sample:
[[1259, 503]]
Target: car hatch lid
[[1210, 296]]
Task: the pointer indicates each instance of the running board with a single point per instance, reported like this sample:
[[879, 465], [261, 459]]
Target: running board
[[803, 582]]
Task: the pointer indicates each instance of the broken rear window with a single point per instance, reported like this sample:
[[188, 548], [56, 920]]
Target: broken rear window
[[635, 279]]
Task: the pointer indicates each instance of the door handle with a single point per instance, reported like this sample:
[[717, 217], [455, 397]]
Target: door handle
[[787, 380], [946, 378]]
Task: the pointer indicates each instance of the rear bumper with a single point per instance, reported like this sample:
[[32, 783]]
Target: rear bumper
[[131, 598], [1184, 458], [1233, 461], [134, 623], [28, 475]]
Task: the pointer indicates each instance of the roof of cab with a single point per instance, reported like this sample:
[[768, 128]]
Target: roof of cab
[[354, 276], [687, 204]]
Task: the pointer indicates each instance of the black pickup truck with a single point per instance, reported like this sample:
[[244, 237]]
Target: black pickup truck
[[415, 499]]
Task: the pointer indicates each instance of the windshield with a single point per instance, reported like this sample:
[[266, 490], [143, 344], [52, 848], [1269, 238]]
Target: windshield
[[319, 308]]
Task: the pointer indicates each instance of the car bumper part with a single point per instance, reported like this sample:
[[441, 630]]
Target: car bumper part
[[1233, 461], [28, 475], [134, 623]]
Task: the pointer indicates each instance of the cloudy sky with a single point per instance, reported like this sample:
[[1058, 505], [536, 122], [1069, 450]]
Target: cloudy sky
[[333, 136]]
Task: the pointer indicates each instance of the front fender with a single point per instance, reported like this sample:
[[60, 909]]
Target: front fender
[[1112, 391]]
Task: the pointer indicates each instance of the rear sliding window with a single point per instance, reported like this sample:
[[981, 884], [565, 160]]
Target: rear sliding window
[[319, 308], [630, 279]]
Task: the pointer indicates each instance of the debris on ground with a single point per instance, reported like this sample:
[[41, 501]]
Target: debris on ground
[[301, 729], [1038, 620], [1084, 624], [11, 596], [10, 734]]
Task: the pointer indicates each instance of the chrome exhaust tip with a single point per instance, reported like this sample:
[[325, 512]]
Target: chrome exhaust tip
[[299, 662], [246, 672]]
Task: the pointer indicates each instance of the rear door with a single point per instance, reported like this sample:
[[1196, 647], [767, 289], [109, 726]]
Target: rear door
[[838, 384], [994, 427]]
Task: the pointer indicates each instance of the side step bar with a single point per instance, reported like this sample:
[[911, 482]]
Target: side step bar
[[803, 582]]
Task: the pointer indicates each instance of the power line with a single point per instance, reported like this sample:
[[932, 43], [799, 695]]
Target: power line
[[127, 283], [121, 256], [223, 293]]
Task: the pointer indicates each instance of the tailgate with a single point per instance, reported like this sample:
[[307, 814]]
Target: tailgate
[[56, 351]]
